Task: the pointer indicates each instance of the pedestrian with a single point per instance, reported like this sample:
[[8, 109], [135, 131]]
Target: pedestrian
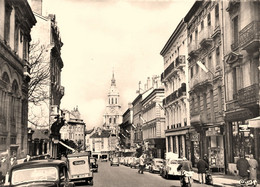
[[202, 167], [141, 164], [253, 165], [206, 159], [242, 166], [185, 165], [28, 158], [5, 167]]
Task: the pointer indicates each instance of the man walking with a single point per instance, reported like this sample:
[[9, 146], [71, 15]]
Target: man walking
[[141, 164], [242, 167], [202, 166]]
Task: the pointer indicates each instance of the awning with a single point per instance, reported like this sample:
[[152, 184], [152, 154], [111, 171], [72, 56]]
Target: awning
[[68, 147], [254, 122]]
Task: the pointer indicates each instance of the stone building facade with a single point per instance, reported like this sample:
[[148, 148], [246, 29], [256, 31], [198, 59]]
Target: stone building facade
[[241, 58], [175, 79], [206, 83], [46, 39], [16, 21], [153, 128]]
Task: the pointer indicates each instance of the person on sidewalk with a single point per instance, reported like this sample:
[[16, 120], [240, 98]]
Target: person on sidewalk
[[202, 166], [141, 164], [242, 166], [253, 165]]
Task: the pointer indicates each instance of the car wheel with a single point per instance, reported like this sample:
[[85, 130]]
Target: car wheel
[[91, 182]]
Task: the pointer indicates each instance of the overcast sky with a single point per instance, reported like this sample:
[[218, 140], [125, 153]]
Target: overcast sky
[[102, 35]]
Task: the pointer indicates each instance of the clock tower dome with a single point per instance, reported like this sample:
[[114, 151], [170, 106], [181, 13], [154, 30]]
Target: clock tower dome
[[113, 114]]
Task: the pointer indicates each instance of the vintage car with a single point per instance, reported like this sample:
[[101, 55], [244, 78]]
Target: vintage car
[[40, 173], [104, 158], [121, 160], [79, 168], [93, 164], [114, 161], [169, 168], [156, 164]]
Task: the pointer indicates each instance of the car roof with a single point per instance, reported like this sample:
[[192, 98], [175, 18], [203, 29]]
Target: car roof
[[39, 163], [78, 154]]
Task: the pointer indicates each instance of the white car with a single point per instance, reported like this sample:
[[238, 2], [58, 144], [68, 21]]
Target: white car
[[170, 168]]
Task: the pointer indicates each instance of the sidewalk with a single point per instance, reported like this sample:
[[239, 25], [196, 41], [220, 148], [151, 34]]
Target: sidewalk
[[222, 180]]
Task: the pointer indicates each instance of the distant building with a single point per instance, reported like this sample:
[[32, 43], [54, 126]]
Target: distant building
[[100, 142], [16, 21], [74, 128], [153, 128], [88, 134]]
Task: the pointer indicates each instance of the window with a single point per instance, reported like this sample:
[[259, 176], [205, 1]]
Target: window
[[198, 99], [217, 56], [209, 19], [234, 76], [110, 120], [191, 38], [202, 25], [196, 35], [209, 61], [116, 101], [220, 99], [212, 106], [191, 72], [235, 29], [8, 9], [112, 101], [16, 36], [204, 102], [217, 15], [114, 120]]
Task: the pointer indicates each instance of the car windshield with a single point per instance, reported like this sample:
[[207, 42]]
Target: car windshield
[[115, 159], [34, 174]]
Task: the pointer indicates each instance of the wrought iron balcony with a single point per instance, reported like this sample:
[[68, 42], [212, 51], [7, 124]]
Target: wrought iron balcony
[[168, 70], [201, 79], [248, 96], [193, 49], [205, 39], [175, 95], [249, 36]]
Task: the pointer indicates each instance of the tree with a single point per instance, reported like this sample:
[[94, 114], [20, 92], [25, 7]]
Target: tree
[[38, 89]]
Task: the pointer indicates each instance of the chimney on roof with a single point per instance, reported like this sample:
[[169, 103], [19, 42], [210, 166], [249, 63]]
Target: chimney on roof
[[36, 6]]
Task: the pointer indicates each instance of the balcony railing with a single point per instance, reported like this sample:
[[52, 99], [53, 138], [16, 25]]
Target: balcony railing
[[248, 96], [168, 70], [201, 79], [249, 36], [193, 48], [175, 95], [205, 36]]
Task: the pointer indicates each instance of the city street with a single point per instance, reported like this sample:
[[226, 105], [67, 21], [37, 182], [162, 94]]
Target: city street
[[123, 176]]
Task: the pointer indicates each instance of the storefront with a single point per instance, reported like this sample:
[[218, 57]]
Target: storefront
[[215, 142], [193, 147]]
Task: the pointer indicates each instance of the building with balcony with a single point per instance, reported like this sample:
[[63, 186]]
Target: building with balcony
[[241, 52], [206, 82], [175, 80], [74, 128], [16, 22], [154, 120]]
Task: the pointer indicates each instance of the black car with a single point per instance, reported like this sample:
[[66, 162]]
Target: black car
[[40, 173], [94, 165]]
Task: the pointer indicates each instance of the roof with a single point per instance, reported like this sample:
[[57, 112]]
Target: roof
[[89, 131], [39, 163], [104, 134], [192, 11]]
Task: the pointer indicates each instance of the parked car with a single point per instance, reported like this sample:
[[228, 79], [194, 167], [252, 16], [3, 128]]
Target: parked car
[[121, 160], [93, 164], [104, 158], [134, 162], [79, 168], [156, 165], [129, 160], [114, 161], [169, 168], [40, 173]]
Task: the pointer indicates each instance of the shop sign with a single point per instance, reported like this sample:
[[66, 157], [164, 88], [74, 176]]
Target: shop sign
[[213, 131], [194, 137], [243, 128]]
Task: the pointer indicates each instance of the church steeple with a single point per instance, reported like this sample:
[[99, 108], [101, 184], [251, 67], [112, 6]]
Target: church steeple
[[113, 80]]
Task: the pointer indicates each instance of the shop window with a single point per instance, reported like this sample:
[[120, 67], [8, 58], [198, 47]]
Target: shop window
[[209, 19]]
